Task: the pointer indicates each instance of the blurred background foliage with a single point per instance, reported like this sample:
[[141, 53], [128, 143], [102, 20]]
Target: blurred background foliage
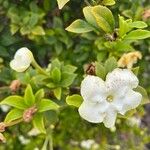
[[40, 26]]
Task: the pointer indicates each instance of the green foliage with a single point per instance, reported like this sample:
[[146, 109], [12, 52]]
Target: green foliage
[[13, 115], [74, 100], [61, 76], [61, 3], [103, 38], [80, 26]]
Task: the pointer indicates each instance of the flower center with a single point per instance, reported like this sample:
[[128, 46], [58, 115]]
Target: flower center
[[109, 98]]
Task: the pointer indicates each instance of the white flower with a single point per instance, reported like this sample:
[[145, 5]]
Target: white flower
[[134, 121], [103, 100], [23, 140], [34, 132], [22, 60], [87, 144]]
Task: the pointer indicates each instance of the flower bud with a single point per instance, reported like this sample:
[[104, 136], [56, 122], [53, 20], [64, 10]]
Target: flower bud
[[28, 114], [22, 60], [15, 85], [2, 138], [2, 126]]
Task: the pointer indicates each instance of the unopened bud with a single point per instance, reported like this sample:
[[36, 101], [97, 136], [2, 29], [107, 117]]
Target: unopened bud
[[28, 114], [2, 138], [90, 69], [146, 14], [2, 127], [15, 85]]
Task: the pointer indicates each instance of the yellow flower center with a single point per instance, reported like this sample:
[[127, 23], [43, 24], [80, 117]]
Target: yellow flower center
[[109, 98]]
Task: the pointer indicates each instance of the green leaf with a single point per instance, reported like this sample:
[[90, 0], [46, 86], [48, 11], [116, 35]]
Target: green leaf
[[38, 122], [51, 85], [29, 96], [14, 101], [123, 26], [39, 95], [135, 70], [79, 26], [104, 18], [108, 2], [67, 79], [110, 64], [100, 70], [123, 46], [137, 34], [38, 30], [47, 104], [55, 63], [145, 98], [69, 68], [13, 115], [61, 3], [138, 24], [87, 11], [14, 28], [56, 75], [57, 93], [74, 100]]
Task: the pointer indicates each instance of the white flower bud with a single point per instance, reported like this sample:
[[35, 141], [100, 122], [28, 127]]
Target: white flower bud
[[22, 60]]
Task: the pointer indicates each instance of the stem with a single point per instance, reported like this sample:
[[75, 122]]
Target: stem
[[50, 141], [38, 67], [44, 147]]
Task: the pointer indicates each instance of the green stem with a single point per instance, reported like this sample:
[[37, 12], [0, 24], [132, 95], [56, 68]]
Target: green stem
[[38, 67], [50, 141], [14, 122], [44, 147]]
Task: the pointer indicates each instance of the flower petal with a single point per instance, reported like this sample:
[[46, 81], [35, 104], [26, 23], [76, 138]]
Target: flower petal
[[24, 54], [93, 89], [18, 66], [121, 77], [130, 101], [22, 60], [110, 118], [93, 112]]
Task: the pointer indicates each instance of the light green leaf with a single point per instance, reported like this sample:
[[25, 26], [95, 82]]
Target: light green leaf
[[47, 104], [138, 24], [110, 64], [56, 75], [123, 26], [38, 30], [61, 3], [80, 26], [108, 2], [69, 68], [123, 46], [87, 11], [145, 98], [100, 70], [14, 28], [39, 95], [51, 85], [14, 101], [13, 115], [38, 122], [57, 92], [138, 34], [104, 18], [67, 79], [135, 70], [29, 96], [74, 100]]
